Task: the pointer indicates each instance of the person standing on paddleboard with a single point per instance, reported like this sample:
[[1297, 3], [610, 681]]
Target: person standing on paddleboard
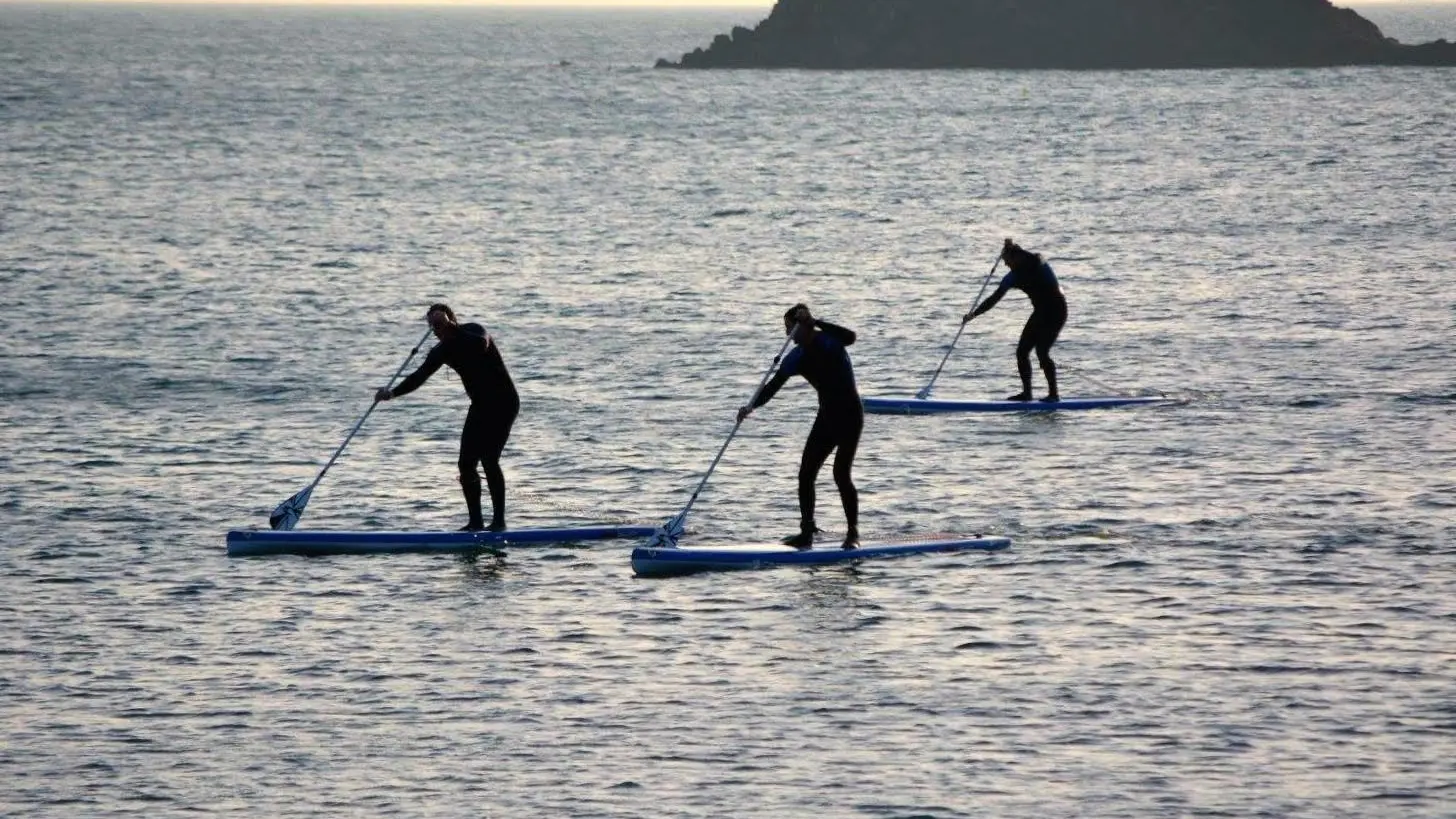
[[1034, 277], [472, 353], [820, 357]]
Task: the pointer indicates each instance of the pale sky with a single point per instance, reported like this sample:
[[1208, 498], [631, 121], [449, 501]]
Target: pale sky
[[762, 4]]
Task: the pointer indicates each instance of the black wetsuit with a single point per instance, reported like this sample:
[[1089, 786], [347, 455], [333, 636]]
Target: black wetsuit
[[824, 363], [494, 404], [1048, 316]]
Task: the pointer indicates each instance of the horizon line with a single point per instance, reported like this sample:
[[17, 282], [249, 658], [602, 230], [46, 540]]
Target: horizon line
[[537, 4], [519, 4]]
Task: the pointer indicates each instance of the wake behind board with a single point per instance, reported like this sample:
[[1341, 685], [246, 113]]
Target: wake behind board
[[650, 561], [264, 542], [930, 406]]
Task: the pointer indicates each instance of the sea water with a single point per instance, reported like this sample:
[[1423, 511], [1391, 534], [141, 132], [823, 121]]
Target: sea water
[[220, 229]]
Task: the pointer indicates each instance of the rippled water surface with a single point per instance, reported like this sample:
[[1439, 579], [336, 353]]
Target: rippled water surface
[[219, 231]]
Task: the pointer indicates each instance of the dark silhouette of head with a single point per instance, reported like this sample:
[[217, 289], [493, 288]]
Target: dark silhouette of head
[[442, 320], [1017, 256], [795, 317]]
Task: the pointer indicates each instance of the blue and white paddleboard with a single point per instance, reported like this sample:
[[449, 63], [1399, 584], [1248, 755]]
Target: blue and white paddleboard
[[650, 561], [910, 405], [261, 542]]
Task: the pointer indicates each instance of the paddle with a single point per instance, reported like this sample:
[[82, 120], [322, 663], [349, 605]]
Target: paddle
[[925, 393], [286, 516], [667, 535]]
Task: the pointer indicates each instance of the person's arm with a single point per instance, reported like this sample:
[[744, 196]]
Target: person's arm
[[413, 381], [990, 301], [473, 330], [843, 335], [787, 369], [770, 389]]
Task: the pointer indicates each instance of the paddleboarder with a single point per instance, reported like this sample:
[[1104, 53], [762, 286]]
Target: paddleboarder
[[1033, 276], [471, 352], [819, 355]]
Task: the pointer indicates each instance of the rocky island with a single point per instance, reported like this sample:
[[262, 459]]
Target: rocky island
[[1060, 34]]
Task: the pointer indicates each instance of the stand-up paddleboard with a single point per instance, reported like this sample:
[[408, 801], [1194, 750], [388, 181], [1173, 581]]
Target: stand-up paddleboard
[[663, 562], [263, 542], [910, 405]]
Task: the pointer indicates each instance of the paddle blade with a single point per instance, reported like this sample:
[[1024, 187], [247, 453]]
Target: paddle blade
[[923, 394], [286, 516], [667, 535]]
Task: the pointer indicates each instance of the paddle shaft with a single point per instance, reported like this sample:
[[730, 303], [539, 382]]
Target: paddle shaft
[[704, 482], [977, 303], [367, 412]]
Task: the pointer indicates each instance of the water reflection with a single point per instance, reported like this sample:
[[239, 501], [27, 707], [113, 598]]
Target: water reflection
[[830, 595], [484, 566]]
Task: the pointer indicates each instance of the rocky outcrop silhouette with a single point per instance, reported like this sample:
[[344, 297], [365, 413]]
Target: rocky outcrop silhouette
[[1060, 34]]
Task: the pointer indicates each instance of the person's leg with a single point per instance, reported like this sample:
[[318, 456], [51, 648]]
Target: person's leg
[[816, 452], [1049, 327], [497, 432], [1023, 359], [471, 441], [1049, 368], [847, 447]]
